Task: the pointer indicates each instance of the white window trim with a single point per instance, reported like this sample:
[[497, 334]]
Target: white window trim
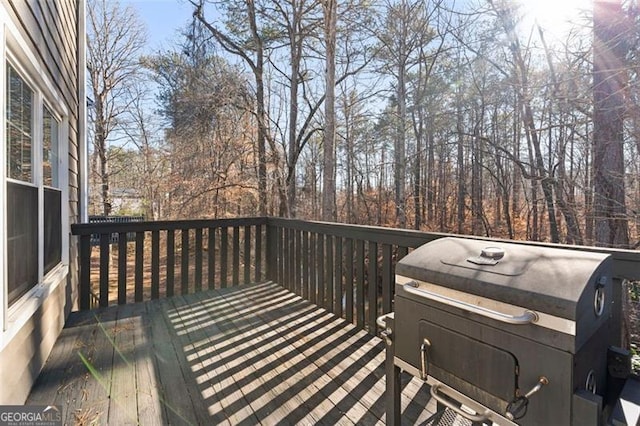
[[14, 48]]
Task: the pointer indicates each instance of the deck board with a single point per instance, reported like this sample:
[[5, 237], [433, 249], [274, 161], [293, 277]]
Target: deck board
[[92, 405], [148, 392], [254, 354], [123, 409]]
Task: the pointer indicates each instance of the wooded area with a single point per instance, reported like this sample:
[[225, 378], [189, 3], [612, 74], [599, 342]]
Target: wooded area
[[466, 117]]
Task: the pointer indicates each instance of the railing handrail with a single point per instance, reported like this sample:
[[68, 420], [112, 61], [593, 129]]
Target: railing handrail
[[377, 234], [162, 225], [626, 261]]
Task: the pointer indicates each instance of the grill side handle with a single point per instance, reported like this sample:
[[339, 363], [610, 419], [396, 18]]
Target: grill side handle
[[475, 418], [527, 317]]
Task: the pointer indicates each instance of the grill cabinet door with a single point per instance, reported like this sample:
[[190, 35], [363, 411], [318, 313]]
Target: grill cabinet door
[[451, 354]]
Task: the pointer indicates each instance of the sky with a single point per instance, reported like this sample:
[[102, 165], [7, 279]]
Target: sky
[[164, 19]]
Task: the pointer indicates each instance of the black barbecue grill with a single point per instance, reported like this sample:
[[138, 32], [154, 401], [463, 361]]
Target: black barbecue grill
[[507, 333]]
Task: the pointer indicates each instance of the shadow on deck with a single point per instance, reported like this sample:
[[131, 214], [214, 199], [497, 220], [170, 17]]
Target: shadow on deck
[[255, 354]]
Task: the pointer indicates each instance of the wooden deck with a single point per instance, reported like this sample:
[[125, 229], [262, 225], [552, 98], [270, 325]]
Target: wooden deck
[[253, 354]]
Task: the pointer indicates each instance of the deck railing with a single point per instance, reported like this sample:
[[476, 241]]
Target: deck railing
[[176, 261], [347, 269]]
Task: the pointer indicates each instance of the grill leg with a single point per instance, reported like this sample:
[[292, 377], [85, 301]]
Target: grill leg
[[393, 381]]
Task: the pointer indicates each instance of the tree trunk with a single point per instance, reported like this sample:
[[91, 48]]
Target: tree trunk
[[258, 72], [399, 150], [417, 169], [329, 159], [460, 167], [520, 72], [100, 144], [431, 189], [609, 83]]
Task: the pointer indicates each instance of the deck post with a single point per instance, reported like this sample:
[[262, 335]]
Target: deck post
[[85, 271]]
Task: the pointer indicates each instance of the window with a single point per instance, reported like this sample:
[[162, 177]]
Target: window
[[34, 196], [19, 127], [52, 193], [49, 148]]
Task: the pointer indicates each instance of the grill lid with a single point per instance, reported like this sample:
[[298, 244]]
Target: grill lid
[[556, 281]]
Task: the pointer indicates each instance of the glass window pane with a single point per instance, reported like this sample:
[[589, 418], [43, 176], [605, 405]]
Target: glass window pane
[[19, 128], [49, 148], [14, 142]]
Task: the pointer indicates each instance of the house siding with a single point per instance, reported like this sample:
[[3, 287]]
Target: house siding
[[25, 356], [50, 28]]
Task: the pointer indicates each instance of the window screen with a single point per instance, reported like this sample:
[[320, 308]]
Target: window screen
[[22, 238], [52, 228]]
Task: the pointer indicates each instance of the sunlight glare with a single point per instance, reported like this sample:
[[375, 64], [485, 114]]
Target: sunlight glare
[[556, 17]]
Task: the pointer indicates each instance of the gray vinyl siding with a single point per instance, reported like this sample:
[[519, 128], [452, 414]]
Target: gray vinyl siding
[[50, 28], [25, 356]]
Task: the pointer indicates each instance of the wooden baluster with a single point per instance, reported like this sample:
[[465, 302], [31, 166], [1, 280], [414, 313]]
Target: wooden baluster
[[328, 275], [198, 271], [224, 259], [184, 270], [348, 264], [305, 265], [122, 268], [211, 258], [236, 255], [387, 278], [155, 264], [171, 261], [360, 296], [247, 255], [372, 283], [139, 267], [337, 276], [258, 254], [320, 269]]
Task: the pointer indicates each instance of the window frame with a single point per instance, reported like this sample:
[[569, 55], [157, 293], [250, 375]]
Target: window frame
[[14, 50]]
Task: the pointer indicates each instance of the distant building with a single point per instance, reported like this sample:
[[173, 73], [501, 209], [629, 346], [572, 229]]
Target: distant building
[[126, 201]]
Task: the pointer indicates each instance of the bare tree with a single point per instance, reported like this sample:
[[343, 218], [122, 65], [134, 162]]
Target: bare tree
[[520, 70], [115, 40], [247, 42], [151, 165], [405, 30]]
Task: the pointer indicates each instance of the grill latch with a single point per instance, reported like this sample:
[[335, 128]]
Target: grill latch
[[518, 407]]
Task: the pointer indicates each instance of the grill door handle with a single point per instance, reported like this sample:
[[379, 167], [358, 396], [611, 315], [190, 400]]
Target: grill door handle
[[527, 317], [475, 418]]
